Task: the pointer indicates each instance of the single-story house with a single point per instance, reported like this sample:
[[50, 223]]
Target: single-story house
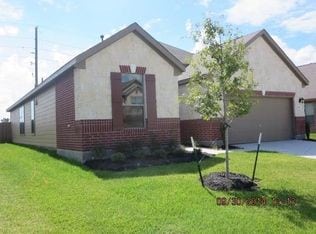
[[122, 89], [126, 88], [309, 70], [277, 112]]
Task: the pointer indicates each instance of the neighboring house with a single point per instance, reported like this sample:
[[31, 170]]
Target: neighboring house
[[122, 89], [278, 111], [309, 70]]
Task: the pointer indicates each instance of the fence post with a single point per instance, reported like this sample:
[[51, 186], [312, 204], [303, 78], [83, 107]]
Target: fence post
[[5, 132]]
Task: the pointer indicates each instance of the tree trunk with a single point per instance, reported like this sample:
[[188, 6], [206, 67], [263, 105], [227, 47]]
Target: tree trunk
[[226, 135], [226, 151]]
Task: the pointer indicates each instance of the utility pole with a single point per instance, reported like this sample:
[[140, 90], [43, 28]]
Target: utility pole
[[36, 59]]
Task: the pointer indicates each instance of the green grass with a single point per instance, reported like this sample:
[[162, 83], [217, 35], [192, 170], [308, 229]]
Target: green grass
[[41, 193], [313, 136]]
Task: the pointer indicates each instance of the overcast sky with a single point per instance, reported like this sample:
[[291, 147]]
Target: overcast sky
[[68, 27]]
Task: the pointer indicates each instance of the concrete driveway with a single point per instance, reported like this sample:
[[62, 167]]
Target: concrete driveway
[[301, 148]]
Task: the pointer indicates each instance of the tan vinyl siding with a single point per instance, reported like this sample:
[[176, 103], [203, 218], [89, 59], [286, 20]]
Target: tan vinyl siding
[[45, 121]]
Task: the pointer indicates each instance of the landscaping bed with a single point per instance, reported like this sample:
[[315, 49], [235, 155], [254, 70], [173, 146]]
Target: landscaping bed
[[133, 163], [134, 154]]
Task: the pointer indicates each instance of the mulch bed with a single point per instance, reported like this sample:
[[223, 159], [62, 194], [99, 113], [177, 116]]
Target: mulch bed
[[132, 163], [218, 181]]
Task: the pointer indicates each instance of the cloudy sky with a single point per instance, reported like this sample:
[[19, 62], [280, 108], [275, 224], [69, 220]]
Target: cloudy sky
[[67, 27]]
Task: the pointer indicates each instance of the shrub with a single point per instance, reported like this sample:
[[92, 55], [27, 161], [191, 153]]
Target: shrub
[[172, 144], [154, 143], [139, 154], [124, 147], [178, 152], [118, 157], [136, 144], [129, 147], [98, 152], [159, 153]]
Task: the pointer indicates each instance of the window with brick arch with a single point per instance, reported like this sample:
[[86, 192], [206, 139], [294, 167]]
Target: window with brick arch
[[133, 100]]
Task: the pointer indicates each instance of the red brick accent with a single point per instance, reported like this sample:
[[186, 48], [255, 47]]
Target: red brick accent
[[127, 69], [99, 133], [313, 127], [200, 130], [83, 135], [299, 126], [94, 126], [140, 70], [151, 101], [258, 93], [280, 94], [68, 134], [116, 93], [310, 100]]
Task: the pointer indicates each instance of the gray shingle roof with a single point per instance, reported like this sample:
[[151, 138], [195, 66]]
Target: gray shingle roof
[[309, 70], [183, 55]]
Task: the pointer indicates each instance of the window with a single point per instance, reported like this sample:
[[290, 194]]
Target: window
[[33, 117], [22, 126], [133, 100], [136, 100]]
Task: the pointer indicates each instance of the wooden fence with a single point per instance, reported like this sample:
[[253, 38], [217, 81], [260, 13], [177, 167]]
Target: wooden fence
[[5, 132]]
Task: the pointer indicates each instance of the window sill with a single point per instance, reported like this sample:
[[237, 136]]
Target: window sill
[[134, 128]]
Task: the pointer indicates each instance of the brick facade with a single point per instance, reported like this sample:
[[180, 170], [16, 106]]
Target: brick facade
[[127, 69], [201, 130], [299, 126], [99, 133], [313, 127], [258, 93], [84, 135]]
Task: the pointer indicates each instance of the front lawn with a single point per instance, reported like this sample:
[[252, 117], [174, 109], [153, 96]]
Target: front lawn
[[313, 136], [41, 193]]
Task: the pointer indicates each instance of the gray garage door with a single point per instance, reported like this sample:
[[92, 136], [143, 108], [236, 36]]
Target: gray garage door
[[271, 116]]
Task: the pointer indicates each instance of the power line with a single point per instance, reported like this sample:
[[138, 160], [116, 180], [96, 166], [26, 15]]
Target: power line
[[59, 43], [17, 37], [30, 47], [16, 47], [51, 29]]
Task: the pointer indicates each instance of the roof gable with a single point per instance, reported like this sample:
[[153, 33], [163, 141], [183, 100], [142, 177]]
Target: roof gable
[[139, 31], [250, 38]]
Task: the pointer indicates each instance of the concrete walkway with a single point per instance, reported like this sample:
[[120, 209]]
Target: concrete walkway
[[301, 148], [207, 151]]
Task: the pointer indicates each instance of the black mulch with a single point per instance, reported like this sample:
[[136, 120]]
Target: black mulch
[[133, 163], [218, 181]]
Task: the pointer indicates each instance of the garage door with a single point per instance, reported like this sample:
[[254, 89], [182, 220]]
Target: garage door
[[271, 116]]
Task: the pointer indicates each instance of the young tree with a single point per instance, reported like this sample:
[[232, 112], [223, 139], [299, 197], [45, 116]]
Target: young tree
[[221, 84]]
